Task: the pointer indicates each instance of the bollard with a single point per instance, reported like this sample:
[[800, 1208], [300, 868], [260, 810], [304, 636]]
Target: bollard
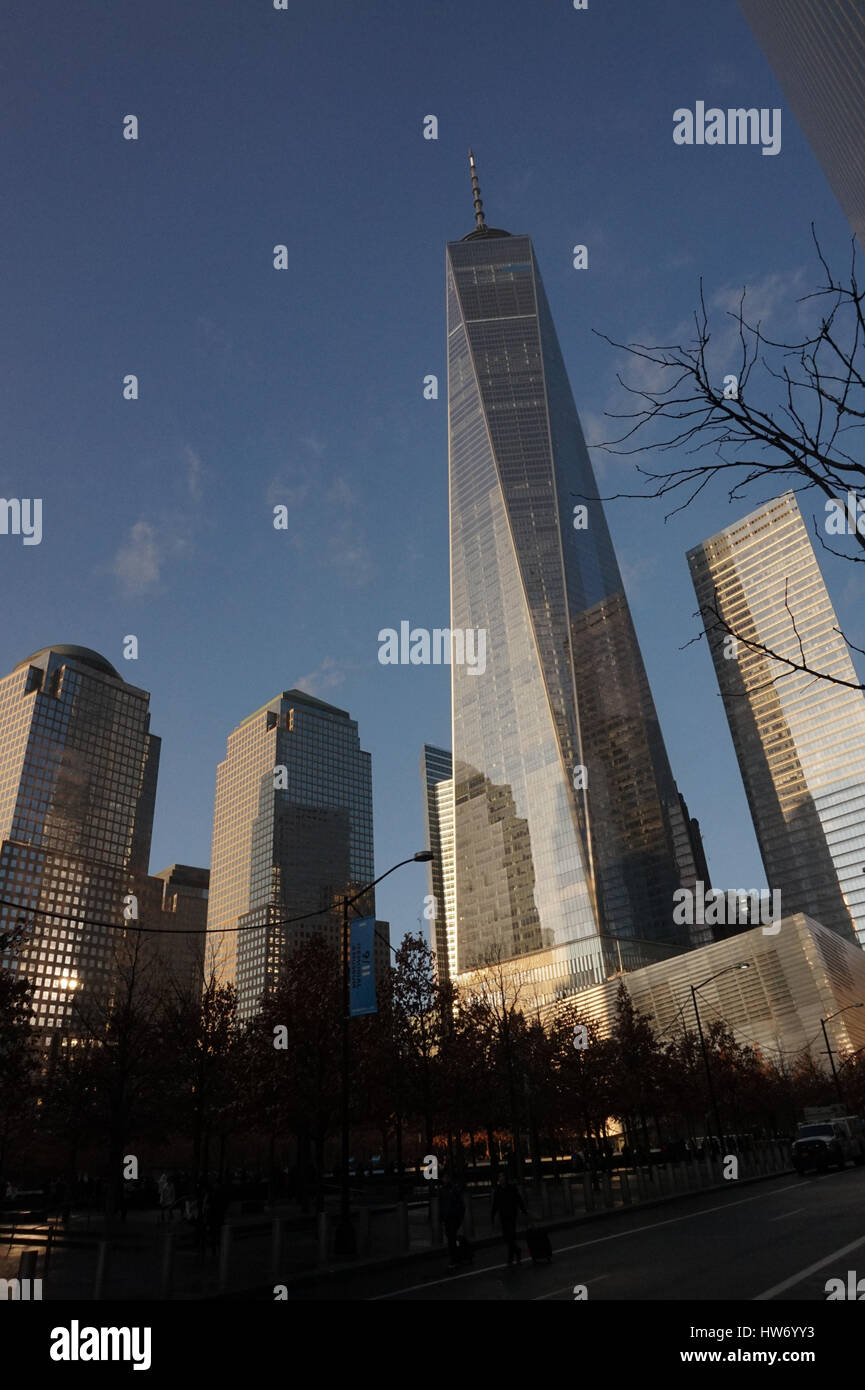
[[276, 1242], [323, 1237], [435, 1220], [364, 1239], [224, 1257], [588, 1194], [28, 1286], [607, 1188], [48, 1249], [403, 1239], [469, 1217], [545, 1199], [626, 1189], [568, 1196], [101, 1270], [167, 1270]]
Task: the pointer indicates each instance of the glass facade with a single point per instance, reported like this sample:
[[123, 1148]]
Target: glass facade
[[438, 803], [794, 979], [544, 856], [78, 768], [800, 741], [817, 52], [286, 843]]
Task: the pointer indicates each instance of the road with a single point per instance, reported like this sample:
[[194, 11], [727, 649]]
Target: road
[[774, 1241]]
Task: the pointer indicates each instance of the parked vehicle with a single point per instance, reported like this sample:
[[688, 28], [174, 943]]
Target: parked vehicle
[[831, 1142]]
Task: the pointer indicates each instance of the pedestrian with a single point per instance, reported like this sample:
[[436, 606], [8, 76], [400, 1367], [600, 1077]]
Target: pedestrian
[[452, 1210], [507, 1202], [167, 1197]]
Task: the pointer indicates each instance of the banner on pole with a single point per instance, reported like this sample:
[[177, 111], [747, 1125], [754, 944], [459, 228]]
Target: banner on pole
[[361, 967]]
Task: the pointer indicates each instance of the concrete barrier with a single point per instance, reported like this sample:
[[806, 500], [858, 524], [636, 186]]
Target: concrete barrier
[[101, 1270], [166, 1269]]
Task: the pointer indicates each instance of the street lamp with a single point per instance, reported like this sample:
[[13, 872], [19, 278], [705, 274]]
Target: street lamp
[[741, 965], [344, 1242], [823, 1022]]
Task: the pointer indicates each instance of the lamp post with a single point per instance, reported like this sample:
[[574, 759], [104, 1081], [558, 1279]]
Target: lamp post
[[823, 1022], [344, 1242], [741, 965]]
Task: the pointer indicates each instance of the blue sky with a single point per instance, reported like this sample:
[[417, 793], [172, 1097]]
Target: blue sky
[[304, 387]]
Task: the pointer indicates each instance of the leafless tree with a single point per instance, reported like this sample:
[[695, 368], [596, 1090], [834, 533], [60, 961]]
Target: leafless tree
[[808, 439]]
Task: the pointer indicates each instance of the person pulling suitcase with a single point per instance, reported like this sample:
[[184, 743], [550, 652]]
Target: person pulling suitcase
[[507, 1203]]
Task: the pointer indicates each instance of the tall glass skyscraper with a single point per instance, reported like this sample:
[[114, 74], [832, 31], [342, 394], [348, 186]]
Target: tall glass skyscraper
[[566, 815], [800, 741], [78, 768], [817, 52], [292, 832]]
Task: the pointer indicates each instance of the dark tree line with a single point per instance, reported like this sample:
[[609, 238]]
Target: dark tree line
[[179, 1082]]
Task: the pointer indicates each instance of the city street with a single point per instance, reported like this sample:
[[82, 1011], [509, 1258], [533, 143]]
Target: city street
[[772, 1241]]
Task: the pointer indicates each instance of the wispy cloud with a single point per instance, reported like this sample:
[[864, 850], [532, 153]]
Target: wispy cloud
[[341, 493], [193, 476], [348, 550], [137, 564], [327, 676], [331, 509], [315, 445], [287, 490]]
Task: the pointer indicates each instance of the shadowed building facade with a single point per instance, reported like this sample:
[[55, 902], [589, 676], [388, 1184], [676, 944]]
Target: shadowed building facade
[[292, 833], [175, 903], [817, 52], [800, 742], [567, 821], [78, 768]]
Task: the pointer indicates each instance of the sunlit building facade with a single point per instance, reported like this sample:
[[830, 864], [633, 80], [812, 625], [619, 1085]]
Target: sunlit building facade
[[800, 741], [794, 978], [566, 816], [78, 769], [438, 809], [292, 834], [817, 52]]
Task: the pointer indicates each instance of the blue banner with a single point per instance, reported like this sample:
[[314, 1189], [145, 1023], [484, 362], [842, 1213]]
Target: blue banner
[[361, 967]]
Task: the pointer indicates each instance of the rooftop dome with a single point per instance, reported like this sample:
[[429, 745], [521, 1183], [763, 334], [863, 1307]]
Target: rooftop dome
[[85, 655]]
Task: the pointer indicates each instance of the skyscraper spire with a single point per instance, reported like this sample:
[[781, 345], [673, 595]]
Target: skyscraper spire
[[479, 207]]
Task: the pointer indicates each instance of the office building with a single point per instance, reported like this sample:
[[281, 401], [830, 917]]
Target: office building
[[175, 905], [567, 820], [292, 834], [438, 809], [800, 741], [78, 768], [816, 49]]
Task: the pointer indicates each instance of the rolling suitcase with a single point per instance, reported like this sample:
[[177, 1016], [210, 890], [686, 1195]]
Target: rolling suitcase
[[539, 1244]]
